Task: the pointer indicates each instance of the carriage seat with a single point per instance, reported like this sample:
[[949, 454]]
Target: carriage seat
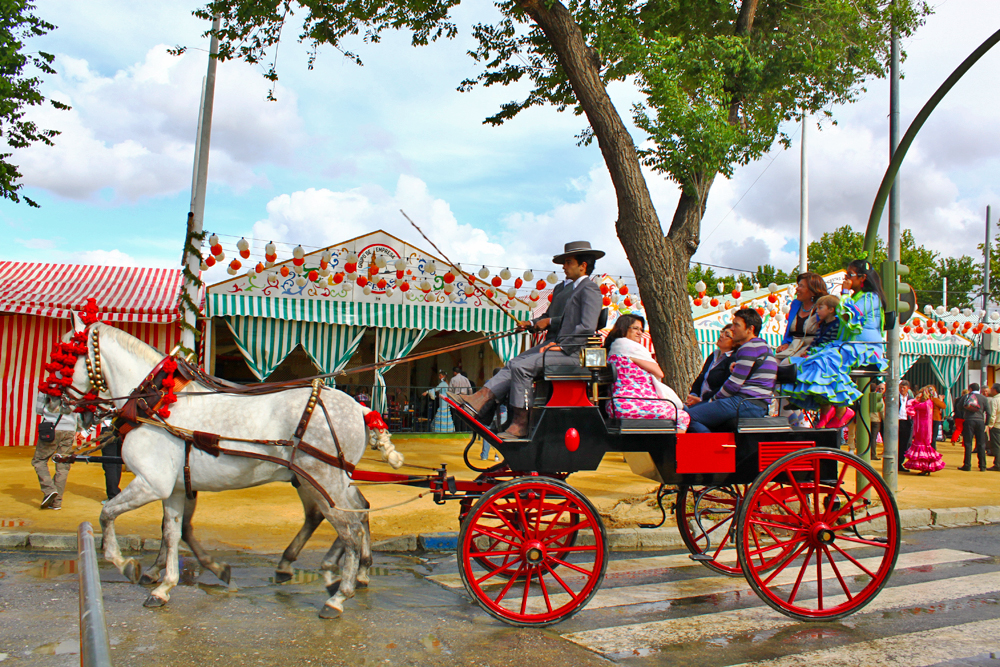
[[752, 424], [647, 425]]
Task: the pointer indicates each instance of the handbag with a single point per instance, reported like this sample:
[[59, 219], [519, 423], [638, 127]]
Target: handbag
[[47, 430]]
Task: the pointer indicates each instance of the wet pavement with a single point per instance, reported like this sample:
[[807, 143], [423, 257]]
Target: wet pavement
[[941, 607]]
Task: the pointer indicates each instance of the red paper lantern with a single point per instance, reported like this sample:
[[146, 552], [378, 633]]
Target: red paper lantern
[[628, 301], [774, 313], [313, 275], [607, 301], [714, 302], [919, 330], [966, 326], [216, 249], [550, 298], [245, 254], [697, 302], [372, 269], [235, 265], [702, 294], [362, 281], [540, 285], [298, 261], [906, 329], [271, 258], [517, 283], [449, 277], [350, 267], [284, 272], [489, 294], [323, 264], [736, 294], [381, 283], [210, 261], [772, 298], [497, 281], [623, 290], [604, 288], [404, 287], [338, 278], [760, 311], [259, 268], [399, 275]]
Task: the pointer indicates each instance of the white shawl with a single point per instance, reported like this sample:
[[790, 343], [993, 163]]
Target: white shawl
[[629, 348]]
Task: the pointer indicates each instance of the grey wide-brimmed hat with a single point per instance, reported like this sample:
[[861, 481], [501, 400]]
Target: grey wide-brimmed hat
[[577, 248]]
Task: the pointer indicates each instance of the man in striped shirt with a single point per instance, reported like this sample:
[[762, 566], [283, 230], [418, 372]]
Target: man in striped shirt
[[748, 390]]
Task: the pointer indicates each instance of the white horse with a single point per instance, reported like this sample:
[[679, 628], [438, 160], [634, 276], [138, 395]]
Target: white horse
[[157, 458]]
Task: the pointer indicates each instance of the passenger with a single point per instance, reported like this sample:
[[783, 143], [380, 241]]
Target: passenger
[[747, 392], [828, 329], [801, 329], [715, 371], [638, 391], [823, 378]]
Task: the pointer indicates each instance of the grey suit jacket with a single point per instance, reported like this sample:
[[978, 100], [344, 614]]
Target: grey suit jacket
[[573, 313]]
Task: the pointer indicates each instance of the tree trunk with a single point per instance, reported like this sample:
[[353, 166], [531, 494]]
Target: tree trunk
[[660, 263]]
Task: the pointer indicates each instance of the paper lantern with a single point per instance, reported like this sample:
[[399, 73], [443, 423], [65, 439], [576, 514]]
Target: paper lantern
[[918, 330], [628, 301], [428, 297], [517, 283], [204, 264], [209, 261], [350, 267], [388, 291], [367, 290], [772, 288], [906, 329], [448, 288], [425, 286], [721, 286], [484, 273], [497, 281], [259, 268], [760, 310], [772, 298], [449, 278], [430, 267], [362, 281], [696, 302], [534, 295], [338, 278], [528, 276], [714, 302], [729, 304], [540, 285], [404, 287], [216, 249], [469, 290], [604, 288], [400, 264], [213, 240], [552, 278], [549, 297], [235, 264], [313, 275], [489, 294], [300, 281], [606, 301], [381, 283], [511, 293], [505, 274], [700, 286], [623, 290], [284, 272], [736, 294], [379, 261]]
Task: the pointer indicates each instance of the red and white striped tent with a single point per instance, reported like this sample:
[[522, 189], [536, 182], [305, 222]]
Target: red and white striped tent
[[36, 302]]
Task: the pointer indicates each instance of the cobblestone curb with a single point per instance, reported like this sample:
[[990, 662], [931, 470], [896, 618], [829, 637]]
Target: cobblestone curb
[[619, 539]]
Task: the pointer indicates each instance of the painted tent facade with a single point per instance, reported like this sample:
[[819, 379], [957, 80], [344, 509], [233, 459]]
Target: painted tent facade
[[36, 303], [318, 306]]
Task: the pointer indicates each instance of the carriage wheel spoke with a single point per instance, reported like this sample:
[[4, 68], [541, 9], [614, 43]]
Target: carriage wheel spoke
[[566, 587], [571, 529], [836, 571], [573, 549], [545, 591], [772, 547], [501, 569], [850, 502], [842, 526], [854, 560], [791, 513], [510, 583], [803, 500], [836, 490], [798, 580], [868, 543], [572, 566], [777, 571], [524, 595], [513, 530], [819, 578], [487, 532]]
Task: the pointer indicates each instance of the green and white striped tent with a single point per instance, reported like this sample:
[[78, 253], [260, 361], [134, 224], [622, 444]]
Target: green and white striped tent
[[327, 303]]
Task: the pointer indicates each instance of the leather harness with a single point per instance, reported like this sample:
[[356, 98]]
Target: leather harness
[[137, 411]]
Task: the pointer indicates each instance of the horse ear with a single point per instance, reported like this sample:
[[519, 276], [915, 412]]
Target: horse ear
[[78, 324]]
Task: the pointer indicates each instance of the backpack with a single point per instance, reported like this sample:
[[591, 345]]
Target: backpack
[[971, 403]]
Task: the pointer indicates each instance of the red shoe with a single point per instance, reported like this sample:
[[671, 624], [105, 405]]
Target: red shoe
[[843, 421], [825, 416]]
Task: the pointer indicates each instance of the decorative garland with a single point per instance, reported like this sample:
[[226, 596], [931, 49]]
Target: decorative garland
[[185, 304]]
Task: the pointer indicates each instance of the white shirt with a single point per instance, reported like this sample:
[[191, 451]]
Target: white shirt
[[575, 282]]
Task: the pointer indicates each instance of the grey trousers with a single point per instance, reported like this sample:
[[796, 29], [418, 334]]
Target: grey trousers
[[63, 444], [514, 381]]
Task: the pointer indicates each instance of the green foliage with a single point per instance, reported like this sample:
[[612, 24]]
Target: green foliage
[[18, 91]]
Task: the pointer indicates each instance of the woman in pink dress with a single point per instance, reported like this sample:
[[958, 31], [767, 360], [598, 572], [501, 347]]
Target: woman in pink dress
[[921, 456], [638, 392]]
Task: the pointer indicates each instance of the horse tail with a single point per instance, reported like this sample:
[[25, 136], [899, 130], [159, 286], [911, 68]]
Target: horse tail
[[379, 438]]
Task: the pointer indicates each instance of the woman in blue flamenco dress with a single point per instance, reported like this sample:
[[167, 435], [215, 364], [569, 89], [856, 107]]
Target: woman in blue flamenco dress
[[823, 377]]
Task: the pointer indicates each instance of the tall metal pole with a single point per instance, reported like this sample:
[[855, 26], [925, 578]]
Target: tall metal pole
[[804, 202], [984, 367], [198, 186], [890, 456], [944, 291]]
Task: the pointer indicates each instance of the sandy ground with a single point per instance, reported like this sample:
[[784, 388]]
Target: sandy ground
[[266, 517]]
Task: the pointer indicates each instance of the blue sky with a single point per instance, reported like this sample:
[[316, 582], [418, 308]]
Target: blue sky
[[345, 147]]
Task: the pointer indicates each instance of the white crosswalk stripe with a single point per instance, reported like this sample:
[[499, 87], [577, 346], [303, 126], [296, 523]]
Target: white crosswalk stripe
[[640, 638], [914, 649]]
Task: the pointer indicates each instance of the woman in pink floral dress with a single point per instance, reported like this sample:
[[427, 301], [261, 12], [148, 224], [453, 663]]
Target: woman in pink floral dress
[[638, 392], [921, 456]]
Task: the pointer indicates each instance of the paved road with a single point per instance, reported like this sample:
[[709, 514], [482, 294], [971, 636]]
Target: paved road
[[941, 607]]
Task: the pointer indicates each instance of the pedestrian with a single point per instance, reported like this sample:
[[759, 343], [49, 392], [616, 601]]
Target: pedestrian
[[956, 415], [976, 411], [905, 432], [921, 456], [442, 417], [56, 433], [937, 409], [460, 385], [993, 426], [877, 418], [111, 446]]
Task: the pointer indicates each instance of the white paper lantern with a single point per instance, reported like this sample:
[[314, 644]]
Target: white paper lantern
[[204, 266], [528, 276], [721, 287], [511, 293], [327, 256], [449, 288], [772, 288], [484, 273], [367, 289], [380, 261], [350, 277], [389, 291], [242, 244], [468, 289], [230, 270], [552, 278], [980, 313], [700, 286], [928, 309], [298, 252], [940, 310], [268, 264], [221, 257], [428, 297], [400, 264], [505, 274], [430, 267], [534, 295], [994, 317], [270, 248], [300, 281], [739, 286], [425, 285]]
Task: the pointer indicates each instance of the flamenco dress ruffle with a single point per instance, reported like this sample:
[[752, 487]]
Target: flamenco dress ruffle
[[923, 458], [823, 378]]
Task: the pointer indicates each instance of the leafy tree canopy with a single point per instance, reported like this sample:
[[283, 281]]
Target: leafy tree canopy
[[19, 91]]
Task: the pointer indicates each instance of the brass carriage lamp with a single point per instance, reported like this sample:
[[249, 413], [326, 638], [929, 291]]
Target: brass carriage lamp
[[594, 357]]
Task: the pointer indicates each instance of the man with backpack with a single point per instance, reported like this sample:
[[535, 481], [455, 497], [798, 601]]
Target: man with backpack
[[976, 409], [56, 432]]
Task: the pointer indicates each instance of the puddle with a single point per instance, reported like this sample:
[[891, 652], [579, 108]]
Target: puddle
[[50, 569], [435, 645], [58, 648], [14, 523], [309, 576]]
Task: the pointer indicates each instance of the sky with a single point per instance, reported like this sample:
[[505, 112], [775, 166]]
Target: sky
[[344, 148]]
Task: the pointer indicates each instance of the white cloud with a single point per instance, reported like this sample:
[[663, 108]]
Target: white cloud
[[132, 134]]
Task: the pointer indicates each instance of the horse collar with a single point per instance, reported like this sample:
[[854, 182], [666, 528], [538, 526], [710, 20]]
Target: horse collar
[[94, 370]]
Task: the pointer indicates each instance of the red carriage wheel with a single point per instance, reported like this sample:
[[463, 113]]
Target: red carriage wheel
[[532, 551], [704, 517], [838, 540]]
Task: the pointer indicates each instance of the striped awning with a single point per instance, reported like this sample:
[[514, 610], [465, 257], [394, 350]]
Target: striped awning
[[387, 315], [123, 293]]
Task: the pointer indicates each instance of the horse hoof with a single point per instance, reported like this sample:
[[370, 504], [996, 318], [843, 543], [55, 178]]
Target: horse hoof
[[281, 577], [152, 601], [363, 583], [329, 611], [146, 579], [132, 570], [225, 574], [332, 589]]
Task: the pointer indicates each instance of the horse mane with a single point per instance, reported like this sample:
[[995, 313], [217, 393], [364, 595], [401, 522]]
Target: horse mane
[[132, 344]]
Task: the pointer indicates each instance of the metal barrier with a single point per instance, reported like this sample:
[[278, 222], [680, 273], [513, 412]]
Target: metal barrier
[[95, 648]]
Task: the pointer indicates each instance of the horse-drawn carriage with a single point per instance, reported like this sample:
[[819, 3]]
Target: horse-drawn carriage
[[815, 530]]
